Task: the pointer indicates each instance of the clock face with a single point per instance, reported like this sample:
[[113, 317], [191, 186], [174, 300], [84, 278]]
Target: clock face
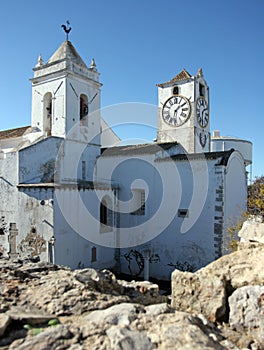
[[202, 112], [176, 110]]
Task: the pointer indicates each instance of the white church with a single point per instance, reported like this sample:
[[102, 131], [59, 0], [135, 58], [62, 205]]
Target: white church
[[72, 195]]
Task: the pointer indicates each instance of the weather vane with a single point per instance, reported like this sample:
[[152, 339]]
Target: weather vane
[[66, 29]]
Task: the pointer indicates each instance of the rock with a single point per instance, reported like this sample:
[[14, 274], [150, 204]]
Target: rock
[[247, 310], [4, 322], [206, 290], [180, 330], [248, 245], [157, 309], [103, 281], [143, 292], [125, 339], [192, 293], [60, 293], [122, 314], [33, 317], [252, 231], [97, 311], [51, 338]]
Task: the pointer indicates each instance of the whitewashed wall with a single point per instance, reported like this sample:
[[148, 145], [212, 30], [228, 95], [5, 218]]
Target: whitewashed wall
[[235, 197], [174, 242], [77, 229], [28, 209]]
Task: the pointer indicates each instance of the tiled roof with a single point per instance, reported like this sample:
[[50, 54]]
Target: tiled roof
[[146, 148], [12, 133], [224, 155], [183, 75]]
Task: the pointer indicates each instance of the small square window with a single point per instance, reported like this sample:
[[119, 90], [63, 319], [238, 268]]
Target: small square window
[[183, 213]]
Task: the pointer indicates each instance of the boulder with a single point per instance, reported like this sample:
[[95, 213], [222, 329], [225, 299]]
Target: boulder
[[252, 231], [52, 338], [206, 291], [247, 310], [123, 338], [122, 314]]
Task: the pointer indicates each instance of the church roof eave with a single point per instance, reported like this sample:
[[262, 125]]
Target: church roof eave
[[14, 133], [223, 157], [130, 150]]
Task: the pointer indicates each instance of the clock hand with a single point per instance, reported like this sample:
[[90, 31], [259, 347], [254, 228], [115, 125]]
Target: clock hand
[[176, 110]]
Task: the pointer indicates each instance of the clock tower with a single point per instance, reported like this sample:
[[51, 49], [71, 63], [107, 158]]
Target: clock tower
[[183, 112]]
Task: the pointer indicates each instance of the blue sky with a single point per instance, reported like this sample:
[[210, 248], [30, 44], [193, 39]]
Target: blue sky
[[137, 44]]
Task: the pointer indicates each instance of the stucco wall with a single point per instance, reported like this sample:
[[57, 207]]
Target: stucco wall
[[26, 213], [235, 197], [37, 162], [77, 229], [172, 241]]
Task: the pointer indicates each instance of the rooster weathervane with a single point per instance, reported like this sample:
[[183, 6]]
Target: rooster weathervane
[[66, 29]]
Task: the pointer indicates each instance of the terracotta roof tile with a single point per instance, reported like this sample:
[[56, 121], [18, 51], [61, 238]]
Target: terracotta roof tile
[[183, 75], [222, 155], [146, 148], [12, 133]]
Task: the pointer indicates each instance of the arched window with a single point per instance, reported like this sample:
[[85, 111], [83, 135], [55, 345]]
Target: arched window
[[83, 106], [47, 113], [106, 214], [175, 90]]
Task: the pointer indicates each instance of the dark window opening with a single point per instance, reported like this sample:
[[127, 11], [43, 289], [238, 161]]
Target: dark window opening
[[106, 214], [183, 213], [2, 231], [94, 253], [49, 109], [176, 90], [83, 170], [48, 113], [103, 213], [201, 89], [83, 106]]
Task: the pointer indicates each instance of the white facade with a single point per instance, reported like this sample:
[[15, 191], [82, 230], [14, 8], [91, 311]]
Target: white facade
[[190, 134], [185, 222], [71, 196]]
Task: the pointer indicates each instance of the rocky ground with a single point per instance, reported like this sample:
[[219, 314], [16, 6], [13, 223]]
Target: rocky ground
[[221, 306]]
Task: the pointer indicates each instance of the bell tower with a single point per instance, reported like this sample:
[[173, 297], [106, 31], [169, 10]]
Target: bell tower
[[183, 112], [66, 92]]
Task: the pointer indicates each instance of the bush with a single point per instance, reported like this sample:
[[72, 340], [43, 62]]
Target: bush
[[256, 197]]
